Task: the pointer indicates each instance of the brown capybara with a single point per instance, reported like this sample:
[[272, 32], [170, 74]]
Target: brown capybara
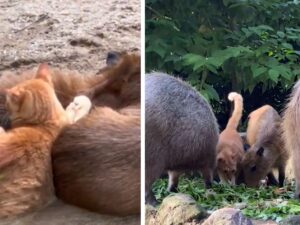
[[291, 132], [96, 163], [267, 150]]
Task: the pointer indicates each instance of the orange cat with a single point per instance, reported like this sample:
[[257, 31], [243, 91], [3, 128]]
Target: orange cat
[[37, 117], [26, 178], [230, 146]]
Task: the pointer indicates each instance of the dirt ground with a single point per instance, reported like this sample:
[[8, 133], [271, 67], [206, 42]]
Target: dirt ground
[[73, 34], [68, 34]]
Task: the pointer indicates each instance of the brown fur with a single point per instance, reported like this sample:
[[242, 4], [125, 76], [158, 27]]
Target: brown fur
[[267, 151], [106, 153], [122, 80], [26, 175], [230, 146]]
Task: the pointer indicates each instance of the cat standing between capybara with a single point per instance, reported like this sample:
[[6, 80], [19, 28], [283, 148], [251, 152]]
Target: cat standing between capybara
[[291, 132], [181, 130], [267, 150], [230, 145]]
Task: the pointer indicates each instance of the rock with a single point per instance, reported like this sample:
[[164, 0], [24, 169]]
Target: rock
[[262, 222], [178, 209], [291, 220], [150, 215], [227, 216]]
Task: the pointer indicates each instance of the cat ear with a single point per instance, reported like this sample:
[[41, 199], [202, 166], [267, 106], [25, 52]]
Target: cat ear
[[15, 96], [44, 73], [260, 151]]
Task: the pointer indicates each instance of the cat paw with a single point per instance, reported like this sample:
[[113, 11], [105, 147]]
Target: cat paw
[[2, 130], [79, 108]]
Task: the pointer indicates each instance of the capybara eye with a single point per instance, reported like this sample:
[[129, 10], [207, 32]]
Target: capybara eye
[[253, 168]]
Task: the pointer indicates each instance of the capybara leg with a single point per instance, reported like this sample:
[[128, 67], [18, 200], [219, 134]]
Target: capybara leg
[[207, 174], [149, 195], [296, 167], [150, 198], [152, 173], [281, 175], [271, 179], [173, 181]]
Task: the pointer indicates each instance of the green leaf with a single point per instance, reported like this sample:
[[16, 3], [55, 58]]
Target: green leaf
[[258, 70], [287, 45], [211, 92], [192, 59], [280, 34], [274, 74]]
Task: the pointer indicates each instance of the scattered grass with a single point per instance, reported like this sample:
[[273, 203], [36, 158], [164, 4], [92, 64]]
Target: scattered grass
[[263, 203]]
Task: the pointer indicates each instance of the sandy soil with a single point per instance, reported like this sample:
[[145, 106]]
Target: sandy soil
[[73, 34]]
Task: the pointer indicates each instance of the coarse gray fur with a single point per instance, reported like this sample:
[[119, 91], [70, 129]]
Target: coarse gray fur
[[181, 130]]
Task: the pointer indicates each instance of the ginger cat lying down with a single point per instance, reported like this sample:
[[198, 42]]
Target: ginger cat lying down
[[37, 117]]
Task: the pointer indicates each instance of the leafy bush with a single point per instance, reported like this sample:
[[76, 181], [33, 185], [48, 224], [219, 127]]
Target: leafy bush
[[219, 46]]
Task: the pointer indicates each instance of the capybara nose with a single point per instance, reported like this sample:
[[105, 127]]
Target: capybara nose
[[112, 58]]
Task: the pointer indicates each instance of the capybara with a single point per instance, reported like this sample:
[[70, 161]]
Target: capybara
[[267, 150], [181, 130], [291, 132], [96, 163]]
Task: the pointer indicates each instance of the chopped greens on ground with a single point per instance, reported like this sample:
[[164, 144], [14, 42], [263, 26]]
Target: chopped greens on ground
[[262, 203]]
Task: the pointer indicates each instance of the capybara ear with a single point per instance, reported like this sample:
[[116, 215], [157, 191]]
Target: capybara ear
[[112, 58], [246, 147], [44, 73], [260, 151]]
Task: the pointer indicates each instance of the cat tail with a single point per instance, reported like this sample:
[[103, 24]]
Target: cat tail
[[236, 116]]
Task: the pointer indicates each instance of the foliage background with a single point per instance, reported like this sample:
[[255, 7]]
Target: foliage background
[[248, 46]]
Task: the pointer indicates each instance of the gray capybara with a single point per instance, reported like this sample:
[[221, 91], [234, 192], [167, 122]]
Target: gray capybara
[[181, 131]]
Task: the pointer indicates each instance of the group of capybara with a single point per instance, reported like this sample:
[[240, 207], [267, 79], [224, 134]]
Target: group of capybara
[[182, 135], [84, 150]]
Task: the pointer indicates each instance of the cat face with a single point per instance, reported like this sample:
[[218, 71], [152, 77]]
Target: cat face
[[33, 101], [227, 168]]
